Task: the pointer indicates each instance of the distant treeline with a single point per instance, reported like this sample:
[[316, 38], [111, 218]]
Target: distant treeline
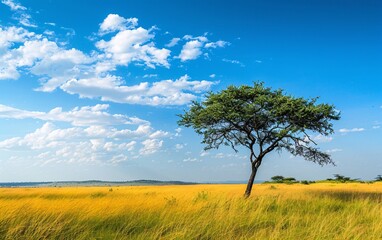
[[93, 183], [337, 178]]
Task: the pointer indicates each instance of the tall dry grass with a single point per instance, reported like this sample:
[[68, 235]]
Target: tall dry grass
[[317, 211]]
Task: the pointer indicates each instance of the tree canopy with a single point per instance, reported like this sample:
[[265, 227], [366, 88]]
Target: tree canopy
[[262, 120]]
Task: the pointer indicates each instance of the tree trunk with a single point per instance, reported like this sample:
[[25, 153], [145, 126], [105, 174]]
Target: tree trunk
[[255, 166]]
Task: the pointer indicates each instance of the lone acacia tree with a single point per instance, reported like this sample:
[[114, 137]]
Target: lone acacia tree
[[262, 120]]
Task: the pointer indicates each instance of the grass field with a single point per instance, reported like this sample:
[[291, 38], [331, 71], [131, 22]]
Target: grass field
[[277, 211]]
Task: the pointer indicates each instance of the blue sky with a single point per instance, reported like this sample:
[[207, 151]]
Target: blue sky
[[91, 91]]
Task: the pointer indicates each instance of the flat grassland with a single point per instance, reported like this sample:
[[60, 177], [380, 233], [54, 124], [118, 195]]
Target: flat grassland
[[274, 211]]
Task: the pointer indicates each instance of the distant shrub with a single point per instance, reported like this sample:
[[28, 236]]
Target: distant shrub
[[306, 182], [281, 179], [277, 178]]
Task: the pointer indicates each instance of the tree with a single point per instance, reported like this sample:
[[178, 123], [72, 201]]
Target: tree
[[378, 178], [262, 120], [341, 178], [277, 178]]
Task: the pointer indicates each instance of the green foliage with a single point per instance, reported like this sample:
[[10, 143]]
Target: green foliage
[[277, 178], [290, 179], [306, 182], [378, 178], [341, 178], [281, 179], [262, 120]]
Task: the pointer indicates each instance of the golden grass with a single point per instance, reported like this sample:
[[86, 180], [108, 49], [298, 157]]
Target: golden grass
[[317, 211]]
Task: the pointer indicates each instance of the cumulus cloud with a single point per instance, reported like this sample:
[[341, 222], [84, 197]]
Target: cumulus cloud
[[192, 49], [95, 136], [165, 92], [150, 146], [90, 75], [40, 56], [114, 22], [57, 65], [52, 144], [78, 116], [134, 45]]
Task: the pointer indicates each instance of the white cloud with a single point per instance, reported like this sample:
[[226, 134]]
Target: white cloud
[[178, 132], [20, 13], [50, 23], [150, 75], [376, 127], [134, 45], [345, 130], [159, 134], [322, 138], [97, 136], [233, 62], [165, 92], [114, 22], [13, 5], [191, 50], [229, 156], [173, 42], [78, 116], [204, 153], [213, 75], [217, 44], [150, 146], [50, 144], [179, 146], [11, 35], [26, 20], [334, 150], [40, 56], [191, 160], [88, 75], [57, 65]]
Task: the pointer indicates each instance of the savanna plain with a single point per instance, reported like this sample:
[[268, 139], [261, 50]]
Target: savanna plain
[[274, 211]]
